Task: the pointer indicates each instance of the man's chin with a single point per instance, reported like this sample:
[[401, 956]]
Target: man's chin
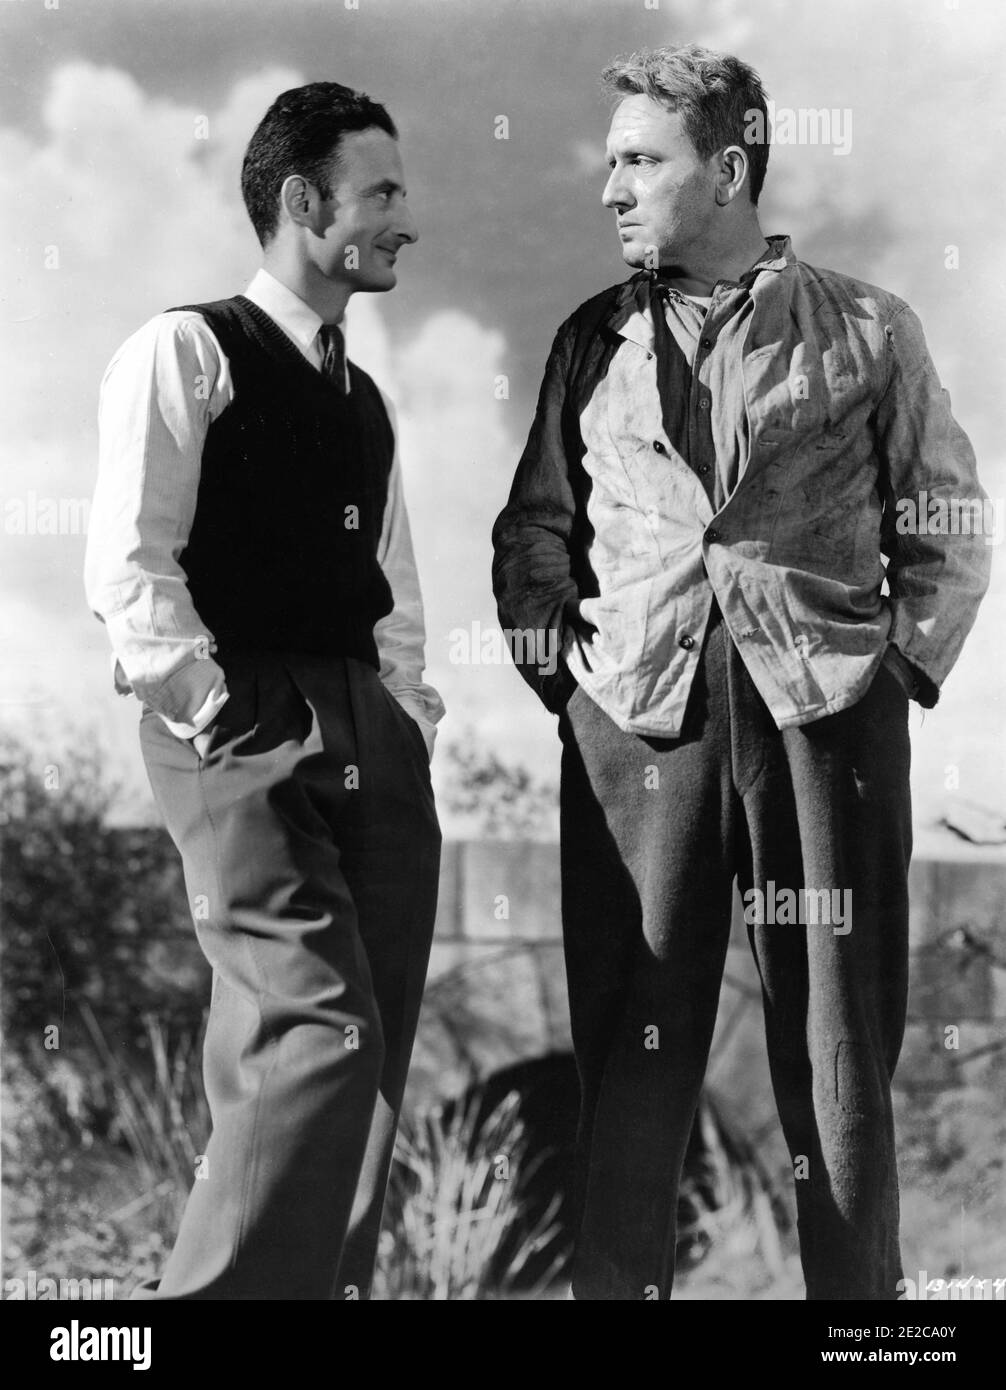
[[634, 254], [377, 282]]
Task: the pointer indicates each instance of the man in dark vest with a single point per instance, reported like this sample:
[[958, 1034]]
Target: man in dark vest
[[250, 555], [727, 447]]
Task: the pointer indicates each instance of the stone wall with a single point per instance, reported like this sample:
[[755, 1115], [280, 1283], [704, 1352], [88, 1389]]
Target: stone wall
[[497, 992], [497, 989]]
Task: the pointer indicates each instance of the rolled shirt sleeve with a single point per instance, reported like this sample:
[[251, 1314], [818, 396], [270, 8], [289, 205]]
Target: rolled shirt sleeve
[[159, 394], [401, 635]]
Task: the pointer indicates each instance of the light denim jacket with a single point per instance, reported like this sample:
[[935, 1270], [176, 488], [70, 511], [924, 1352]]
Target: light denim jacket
[[605, 523]]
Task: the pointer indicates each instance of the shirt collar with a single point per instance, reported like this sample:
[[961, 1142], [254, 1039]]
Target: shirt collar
[[779, 255], [296, 318], [632, 317]]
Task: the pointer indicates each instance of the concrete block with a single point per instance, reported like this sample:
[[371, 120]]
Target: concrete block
[[526, 875]]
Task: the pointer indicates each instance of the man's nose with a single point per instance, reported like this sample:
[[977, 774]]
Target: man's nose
[[615, 194], [406, 227]]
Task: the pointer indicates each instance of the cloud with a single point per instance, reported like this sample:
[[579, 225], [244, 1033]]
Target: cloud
[[588, 158], [104, 223], [117, 212], [114, 198], [113, 208], [459, 444]]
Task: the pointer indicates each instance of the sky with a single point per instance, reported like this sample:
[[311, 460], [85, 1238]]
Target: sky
[[122, 127]]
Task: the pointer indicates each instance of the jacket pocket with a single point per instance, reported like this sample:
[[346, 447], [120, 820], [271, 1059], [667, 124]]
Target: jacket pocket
[[621, 618]]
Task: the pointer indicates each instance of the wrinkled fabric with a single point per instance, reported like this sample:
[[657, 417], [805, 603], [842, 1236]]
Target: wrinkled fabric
[[611, 544], [319, 904], [152, 429], [654, 832]]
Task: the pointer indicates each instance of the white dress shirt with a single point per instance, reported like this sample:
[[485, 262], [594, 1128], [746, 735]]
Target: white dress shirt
[[160, 393]]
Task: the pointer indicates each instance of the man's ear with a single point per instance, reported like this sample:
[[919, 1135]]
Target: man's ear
[[299, 200], [732, 174]]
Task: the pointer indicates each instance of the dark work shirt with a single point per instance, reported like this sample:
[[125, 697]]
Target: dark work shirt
[[698, 344]]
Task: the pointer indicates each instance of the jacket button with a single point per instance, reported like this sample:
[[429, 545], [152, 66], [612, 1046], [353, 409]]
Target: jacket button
[[712, 534], [687, 642], [707, 343], [703, 468], [658, 445], [704, 403]]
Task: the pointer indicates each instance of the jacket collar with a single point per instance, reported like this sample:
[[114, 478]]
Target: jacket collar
[[631, 316]]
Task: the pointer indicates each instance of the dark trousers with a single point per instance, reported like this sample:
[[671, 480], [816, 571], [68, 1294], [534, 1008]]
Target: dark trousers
[[653, 833], [311, 847]]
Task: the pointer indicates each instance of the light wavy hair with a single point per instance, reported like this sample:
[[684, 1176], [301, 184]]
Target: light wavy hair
[[714, 93]]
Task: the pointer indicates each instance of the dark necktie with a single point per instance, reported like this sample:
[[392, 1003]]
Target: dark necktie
[[333, 362]]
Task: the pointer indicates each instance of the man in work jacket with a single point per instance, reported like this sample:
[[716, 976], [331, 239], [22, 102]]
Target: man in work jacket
[[727, 448]]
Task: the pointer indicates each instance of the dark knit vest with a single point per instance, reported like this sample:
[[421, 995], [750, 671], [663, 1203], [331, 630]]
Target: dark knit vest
[[282, 553]]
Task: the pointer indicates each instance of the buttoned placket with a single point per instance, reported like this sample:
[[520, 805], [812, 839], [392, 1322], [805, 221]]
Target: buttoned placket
[[697, 447]]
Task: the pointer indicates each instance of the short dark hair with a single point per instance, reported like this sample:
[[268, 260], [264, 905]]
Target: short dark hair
[[300, 134], [715, 94]]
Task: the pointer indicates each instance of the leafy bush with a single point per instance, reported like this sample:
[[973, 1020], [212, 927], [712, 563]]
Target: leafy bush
[[457, 1193], [487, 797], [84, 908]]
